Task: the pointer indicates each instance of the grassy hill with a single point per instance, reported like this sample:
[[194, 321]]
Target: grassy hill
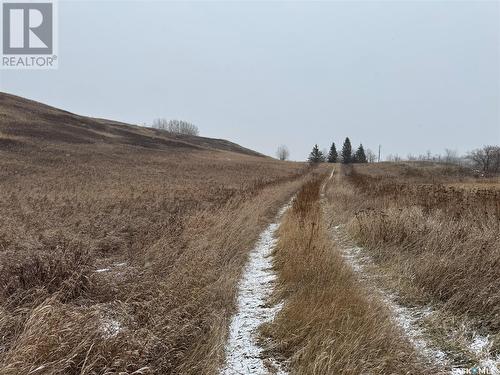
[[121, 246], [28, 124]]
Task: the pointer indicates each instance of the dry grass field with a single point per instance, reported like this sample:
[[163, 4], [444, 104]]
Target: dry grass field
[[120, 247], [434, 230], [422, 293], [330, 323]]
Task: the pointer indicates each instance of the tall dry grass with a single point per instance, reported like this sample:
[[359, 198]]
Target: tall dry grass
[[118, 259], [440, 242], [330, 324]]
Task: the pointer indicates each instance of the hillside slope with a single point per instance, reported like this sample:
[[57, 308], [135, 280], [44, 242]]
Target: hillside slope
[[28, 123], [120, 246]]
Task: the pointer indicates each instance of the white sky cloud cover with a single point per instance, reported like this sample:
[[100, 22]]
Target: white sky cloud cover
[[410, 75]]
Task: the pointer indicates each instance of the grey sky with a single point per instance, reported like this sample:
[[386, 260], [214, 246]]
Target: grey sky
[[412, 76]]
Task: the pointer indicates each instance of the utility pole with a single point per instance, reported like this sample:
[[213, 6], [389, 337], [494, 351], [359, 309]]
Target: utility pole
[[379, 153]]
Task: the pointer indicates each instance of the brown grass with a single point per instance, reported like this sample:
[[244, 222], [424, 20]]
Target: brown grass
[[168, 225], [440, 242], [330, 324]]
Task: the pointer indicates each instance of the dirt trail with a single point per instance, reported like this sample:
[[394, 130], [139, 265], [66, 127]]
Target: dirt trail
[[243, 353], [410, 319]]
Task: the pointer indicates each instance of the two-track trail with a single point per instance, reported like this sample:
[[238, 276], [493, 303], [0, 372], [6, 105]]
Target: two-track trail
[[243, 353]]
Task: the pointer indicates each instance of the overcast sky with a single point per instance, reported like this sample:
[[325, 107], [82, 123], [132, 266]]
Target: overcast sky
[[411, 76]]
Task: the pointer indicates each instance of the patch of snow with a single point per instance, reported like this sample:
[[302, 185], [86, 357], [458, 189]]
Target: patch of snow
[[480, 346], [243, 354], [103, 270], [408, 318], [111, 328], [404, 317], [107, 269]]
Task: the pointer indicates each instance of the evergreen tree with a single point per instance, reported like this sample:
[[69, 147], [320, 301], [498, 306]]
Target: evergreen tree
[[347, 152], [333, 155], [360, 156], [316, 156]]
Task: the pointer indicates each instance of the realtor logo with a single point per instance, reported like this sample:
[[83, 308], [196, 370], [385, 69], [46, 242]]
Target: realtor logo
[[28, 33], [27, 29]]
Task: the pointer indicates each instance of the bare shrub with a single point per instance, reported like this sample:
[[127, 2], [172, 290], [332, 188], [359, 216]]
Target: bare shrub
[[176, 126], [394, 158], [486, 159], [451, 156], [370, 156], [283, 153], [160, 123]]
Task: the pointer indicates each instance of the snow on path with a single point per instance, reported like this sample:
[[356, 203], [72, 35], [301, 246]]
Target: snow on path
[[404, 317], [243, 354], [408, 318]]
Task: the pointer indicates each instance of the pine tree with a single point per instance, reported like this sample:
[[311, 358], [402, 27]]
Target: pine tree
[[316, 156], [347, 151], [360, 155], [333, 155]]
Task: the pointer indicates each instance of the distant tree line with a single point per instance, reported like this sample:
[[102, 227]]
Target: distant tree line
[[485, 159], [176, 126], [346, 156]]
